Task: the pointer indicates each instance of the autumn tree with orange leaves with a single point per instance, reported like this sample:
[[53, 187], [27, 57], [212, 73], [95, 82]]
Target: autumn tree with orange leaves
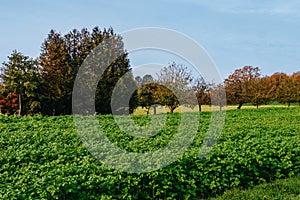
[[240, 86]]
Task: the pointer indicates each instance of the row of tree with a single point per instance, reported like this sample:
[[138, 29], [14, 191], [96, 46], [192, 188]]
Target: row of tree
[[173, 87], [246, 85], [44, 85]]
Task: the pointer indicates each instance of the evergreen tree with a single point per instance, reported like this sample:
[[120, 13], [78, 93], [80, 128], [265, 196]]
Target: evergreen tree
[[20, 76], [56, 74]]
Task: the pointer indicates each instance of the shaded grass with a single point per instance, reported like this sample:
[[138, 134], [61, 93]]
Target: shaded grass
[[281, 189]]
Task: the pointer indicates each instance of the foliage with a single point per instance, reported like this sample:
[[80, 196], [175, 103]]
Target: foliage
[[173, 87], [281, 189], [178, 79], [56, 73], [8, 103], [62, 56], [20, 76], [285, 88], [201, 89], [43, 158], [246, 86], [148, 95], [240, 85], [261, 92]]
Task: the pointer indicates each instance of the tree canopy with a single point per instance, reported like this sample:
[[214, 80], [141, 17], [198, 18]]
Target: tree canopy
[[44, 85]]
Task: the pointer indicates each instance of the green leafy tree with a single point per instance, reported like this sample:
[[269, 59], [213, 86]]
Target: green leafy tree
[[147, 96], [148, 92], [20, 75]]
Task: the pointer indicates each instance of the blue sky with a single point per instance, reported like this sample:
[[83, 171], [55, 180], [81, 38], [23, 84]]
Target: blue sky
[[235, 33]]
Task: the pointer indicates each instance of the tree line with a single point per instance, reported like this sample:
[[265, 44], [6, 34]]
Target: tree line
[[44, 85], [247, 85]]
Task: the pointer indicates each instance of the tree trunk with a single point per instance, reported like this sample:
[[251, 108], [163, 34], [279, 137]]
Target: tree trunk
[[53, 111], [200, 107], [148, 110], [172, 109], [20, 105], [240, 105], [154, 109], [256, 106], [289, 104]]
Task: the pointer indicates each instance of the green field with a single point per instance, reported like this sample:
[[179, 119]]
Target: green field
[[44, 158]]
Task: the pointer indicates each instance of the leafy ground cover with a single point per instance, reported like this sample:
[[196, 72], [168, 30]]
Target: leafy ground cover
[[44, 158]]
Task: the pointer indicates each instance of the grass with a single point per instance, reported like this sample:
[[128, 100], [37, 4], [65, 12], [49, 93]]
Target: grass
[[281, 189], [205, 108]]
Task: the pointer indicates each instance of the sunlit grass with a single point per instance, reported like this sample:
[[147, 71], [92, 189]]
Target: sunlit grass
[[204, 108]]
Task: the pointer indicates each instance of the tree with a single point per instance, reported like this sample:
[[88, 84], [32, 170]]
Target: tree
[[290, 90], [217, 95], [79, 44], [61, 58], [109, 79], [239, 85], [147, 79], [148, 92], [167, 97], [56, 73], [139, 81], [177, 81], [261, 92], [20, 76], [124, 98], [296, 79], [8, 102], [111, 60], [284, 88], [201, 90], [148, 96]]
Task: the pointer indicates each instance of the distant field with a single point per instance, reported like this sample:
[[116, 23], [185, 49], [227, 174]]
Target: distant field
[[205, 108], [44, 158]]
